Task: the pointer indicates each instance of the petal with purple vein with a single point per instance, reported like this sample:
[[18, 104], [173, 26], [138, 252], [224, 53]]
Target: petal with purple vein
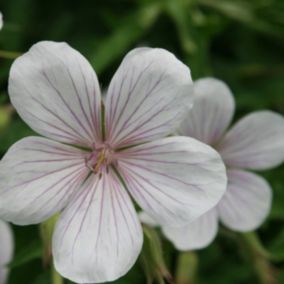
[[98, 236], [255, 142], [147, 97], [56, 92], [175, 179], [247, 201], [37, 178]]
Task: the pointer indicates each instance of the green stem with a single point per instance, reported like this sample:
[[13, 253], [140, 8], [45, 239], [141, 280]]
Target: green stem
[[187, 266], [47, 229], [9, 54], [56, 277], [260, 258], [152, 258]]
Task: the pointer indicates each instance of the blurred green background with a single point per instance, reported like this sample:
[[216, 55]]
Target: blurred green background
[[240, 42]]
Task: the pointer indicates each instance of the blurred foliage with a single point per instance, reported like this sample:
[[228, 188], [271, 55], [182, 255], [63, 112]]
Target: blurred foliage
[[238, 41]]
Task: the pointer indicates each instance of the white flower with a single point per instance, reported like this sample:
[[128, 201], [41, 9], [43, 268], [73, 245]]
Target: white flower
[[256, 142], [122, 151], [6, 250], [1, 21]]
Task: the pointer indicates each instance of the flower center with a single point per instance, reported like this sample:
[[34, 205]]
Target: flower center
[[100, 159]]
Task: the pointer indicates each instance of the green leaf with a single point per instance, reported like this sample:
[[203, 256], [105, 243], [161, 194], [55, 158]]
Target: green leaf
[[244, 12], [126, 34], [14, 132], [276, 248], [178, 11]]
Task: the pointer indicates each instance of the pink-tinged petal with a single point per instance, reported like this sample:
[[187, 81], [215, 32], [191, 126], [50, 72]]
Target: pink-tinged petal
[[247, 201], [6, 250], [56, 92], [196, 235], [37, 179], [255, 142], [175, 180], [147, 97], [211, 113], [98, 237]]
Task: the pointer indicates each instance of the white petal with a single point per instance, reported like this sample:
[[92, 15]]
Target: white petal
[[1, 26], [98, 237], [147, 96], [6, 250], [37, 178], [247, 201], [211, 113], [175, 179], [196, 235], [255, 142], [56, 92], [147, 219]]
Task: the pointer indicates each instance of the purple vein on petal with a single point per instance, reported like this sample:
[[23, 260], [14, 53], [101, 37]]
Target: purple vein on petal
[[133, 164], [67, 106], [136, 185], [93, 191], [118, 199], [80, 102], [69, 134], [131, 91], [44, 175], [94, 115], [154, 186], [128, 122], [71, 181]]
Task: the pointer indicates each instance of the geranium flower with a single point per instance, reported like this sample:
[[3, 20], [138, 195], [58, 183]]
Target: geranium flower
[[256, 142], [122, 150], [6, 250]]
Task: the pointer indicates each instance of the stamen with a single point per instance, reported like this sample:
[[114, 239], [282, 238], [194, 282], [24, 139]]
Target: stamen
[[100, 159]]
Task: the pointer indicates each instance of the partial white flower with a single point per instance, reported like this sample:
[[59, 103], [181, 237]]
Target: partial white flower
[[1, 21], [196, 235], [6, 250], [256, 142], [123, 150]]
